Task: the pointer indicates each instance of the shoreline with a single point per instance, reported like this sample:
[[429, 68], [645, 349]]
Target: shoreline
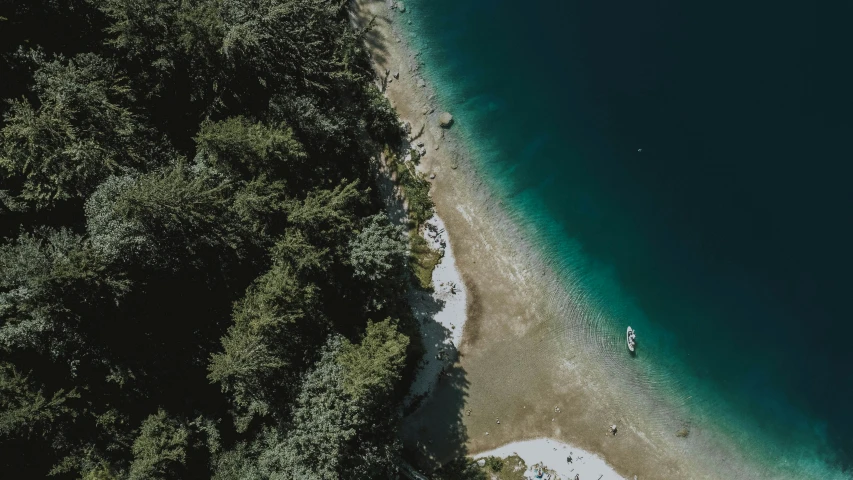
[[504, 296], [531, 343], [441, 312], [528, 346]]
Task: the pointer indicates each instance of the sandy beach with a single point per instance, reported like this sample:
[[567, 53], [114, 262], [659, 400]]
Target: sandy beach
[[511, 365], [564, 460], [441, 312]]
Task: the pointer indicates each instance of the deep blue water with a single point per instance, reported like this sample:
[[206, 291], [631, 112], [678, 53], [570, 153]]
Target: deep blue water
[[735, 221]]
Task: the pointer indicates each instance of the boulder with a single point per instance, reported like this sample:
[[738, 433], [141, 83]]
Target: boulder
[[421, 83], [445, 119], [400, 7], [396, 74]]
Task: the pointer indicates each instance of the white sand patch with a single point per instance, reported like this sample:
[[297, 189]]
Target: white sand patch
[[552, 455], [441, 313]]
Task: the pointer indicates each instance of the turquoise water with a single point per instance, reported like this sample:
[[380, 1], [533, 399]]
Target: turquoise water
[[732, 225]]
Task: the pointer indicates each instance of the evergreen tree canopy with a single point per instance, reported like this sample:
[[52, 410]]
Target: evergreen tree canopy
[[247, 149], [190, 253], [78, 131]]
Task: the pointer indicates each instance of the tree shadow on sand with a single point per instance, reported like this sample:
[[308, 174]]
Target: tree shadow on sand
[[360, 16], [436, 433], [433, 430]]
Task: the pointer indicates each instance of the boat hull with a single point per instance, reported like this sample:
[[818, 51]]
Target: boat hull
[[631, 345]]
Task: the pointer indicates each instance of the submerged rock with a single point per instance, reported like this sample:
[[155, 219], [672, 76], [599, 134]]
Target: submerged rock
[[445, 119]]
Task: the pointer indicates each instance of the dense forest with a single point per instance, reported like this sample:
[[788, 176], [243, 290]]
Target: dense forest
[[196, 276]]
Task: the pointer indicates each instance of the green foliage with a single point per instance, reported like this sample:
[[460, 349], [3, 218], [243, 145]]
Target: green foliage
[[289, 44], [328, 214], [78, 133], [324, 419], [422, 260], [48, 281], [378, 253], [165, 217], [239, 462], [259, 205], [331, 436], [415, 189], [101, 472], [220, 289], [244, 370], [494, 464], [333, 429], [509, 468], [165, 39], [249, 149], [160, 450], [328, 218], [24, 410], [273, 325], [373, 366], [382, 121]]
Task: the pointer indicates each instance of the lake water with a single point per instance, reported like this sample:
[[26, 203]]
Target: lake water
[[687, 164]]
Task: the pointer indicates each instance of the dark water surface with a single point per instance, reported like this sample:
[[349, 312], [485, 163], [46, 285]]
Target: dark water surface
[[730, 233]]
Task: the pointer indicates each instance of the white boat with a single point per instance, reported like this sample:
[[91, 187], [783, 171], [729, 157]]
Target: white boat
[[632, 339]]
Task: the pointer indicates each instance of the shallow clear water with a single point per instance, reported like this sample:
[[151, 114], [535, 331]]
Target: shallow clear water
[[726, 242]]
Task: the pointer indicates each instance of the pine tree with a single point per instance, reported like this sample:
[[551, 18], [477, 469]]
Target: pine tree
[[80, 131]]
